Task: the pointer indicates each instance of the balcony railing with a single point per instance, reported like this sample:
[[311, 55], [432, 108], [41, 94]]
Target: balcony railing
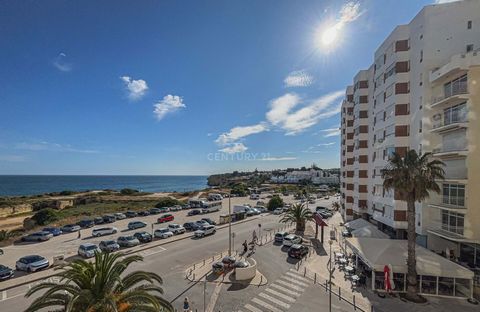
[[449, 121], [454, 201], [453, 89]]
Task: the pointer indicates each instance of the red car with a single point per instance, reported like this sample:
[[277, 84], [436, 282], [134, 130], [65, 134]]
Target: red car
[[165, 218]]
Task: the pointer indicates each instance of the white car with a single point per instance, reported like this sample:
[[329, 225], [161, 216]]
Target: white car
[[291, 239], [176, 208], [104, 231], [278, 211], [163, 233], [37, 237], [205, 230], [119, 216], [31, 263], [88, 250], [176, 228]]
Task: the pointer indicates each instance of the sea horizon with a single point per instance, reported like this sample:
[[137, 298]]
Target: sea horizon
[[28, 185]]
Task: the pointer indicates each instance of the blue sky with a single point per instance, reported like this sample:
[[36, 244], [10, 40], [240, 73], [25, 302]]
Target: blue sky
[[180, 87]]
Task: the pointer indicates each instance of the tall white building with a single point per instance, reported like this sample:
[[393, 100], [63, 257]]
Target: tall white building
[[421, 92]]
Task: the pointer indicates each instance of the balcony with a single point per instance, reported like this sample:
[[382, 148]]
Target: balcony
[[451, 124], [454, 94], [450, 152], [451, 203], [447, 231]]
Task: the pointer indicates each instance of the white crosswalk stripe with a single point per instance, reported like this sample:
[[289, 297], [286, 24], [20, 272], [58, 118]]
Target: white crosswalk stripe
[[290, 285], [292, 280], [266, 305], [297, 276], [285, 290], [274, 300], [280, 295], [252, 308]]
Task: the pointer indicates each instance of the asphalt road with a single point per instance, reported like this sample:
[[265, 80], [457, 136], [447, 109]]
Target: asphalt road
[[171, 260]]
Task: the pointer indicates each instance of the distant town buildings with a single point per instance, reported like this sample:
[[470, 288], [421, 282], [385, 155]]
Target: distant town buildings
[[422, 92], [315, 176]]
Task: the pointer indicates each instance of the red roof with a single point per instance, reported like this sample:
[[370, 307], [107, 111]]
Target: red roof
[[318, 220]]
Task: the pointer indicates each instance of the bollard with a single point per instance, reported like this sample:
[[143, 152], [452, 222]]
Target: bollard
[[339, 293], [354, 306], [194, 266], [213, 258], [203, 261], [304, 271], [326, 285], [315, 278], [261, 279], [193, 276]]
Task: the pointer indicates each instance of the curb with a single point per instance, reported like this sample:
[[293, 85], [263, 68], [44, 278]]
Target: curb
[[126, 253]]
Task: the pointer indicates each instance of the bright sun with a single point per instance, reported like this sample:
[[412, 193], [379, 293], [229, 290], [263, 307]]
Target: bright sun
[[329, 36]]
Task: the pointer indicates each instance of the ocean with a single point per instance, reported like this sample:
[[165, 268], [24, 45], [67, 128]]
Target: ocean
[[17, 185]]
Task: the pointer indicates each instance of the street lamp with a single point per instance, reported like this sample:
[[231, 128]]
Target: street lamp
[[331, 269], [230, 223]]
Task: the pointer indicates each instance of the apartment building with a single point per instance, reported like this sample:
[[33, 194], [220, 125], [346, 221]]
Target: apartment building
[[422, 92]]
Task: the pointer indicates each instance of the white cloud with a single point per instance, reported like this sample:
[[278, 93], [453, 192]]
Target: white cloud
[[277, 158], [294, 122], [53, 147], [234, 148], [299, 78], [445, 1], [331, 132], [326, 144], [169, 104], [60, 62], [237, 133], [349, 12], [136, 88]]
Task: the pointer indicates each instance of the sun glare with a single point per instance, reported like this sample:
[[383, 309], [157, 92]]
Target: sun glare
[[329, 36]]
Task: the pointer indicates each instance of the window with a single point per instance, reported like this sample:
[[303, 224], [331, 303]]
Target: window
[[469, 47], [457, 113], [453, 194], [420, 126], [389, 152], [390, 130], [457, 86], [453, 222], [469, 25], [421, 79], [421, 56], [390, 71]]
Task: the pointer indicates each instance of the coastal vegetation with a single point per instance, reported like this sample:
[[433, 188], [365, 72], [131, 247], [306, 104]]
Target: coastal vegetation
[[412, 178], [298, 214], [101, 285], [274, 203]]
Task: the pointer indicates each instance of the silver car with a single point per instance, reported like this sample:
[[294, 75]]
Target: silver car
[[37, 237], [31, 263], [128, 241], [136, 225], [88, 250], [104, 231], [109, 246]]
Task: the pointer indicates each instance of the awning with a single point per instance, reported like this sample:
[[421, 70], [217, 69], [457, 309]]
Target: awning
[[319, 220], [376, 253], [369, 231], [356, 224]]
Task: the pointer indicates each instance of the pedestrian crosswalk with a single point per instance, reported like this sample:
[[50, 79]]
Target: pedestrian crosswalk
[[280, 295]]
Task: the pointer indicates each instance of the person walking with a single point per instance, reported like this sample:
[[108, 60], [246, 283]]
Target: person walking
[[245, 247], [79, 234], [186, 305]]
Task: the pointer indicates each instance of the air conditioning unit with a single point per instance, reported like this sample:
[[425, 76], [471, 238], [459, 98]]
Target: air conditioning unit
[[380, 140]]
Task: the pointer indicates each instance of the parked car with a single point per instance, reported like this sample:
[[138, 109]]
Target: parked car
[[176, 208], [292, 239], [164, 209], [128, 241], [109, 219], [5, 272], [209, 221], [69, 228], [109, 246], [144, 213], [218, 267], [186, 206], [194, 212], [201, 223], [298, 251], [176, 228], [256, 211], [131, 214], [143, 237], [163, 233], [155, 211], [88, 250], [104, 231], [262, 209], [53, 230], [84, 224], [31, 263], [205, 230], [98, 220], [278, 211], [37, 237], [165, 218], [119, 216], [190, 226], [250, 211], [136, 225], [346, 233], [279, 236]]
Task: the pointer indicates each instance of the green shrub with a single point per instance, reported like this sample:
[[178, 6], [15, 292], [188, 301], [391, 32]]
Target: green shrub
[[45, 216], [167, 202], [275, 202], [29, 224], [127, 191]]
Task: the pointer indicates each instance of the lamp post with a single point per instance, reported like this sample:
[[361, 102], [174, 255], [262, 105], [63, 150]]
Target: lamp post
[[331, 269], [230, 223]]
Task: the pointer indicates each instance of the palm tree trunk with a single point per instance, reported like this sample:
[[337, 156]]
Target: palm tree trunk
[[412, 286]]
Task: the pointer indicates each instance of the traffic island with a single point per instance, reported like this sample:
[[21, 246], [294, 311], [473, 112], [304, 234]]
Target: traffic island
[[221, 269]]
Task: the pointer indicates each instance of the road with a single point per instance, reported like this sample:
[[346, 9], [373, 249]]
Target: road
[[169, 260]]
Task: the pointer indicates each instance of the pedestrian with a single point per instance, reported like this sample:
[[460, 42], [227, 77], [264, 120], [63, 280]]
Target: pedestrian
[[245, 247], [186, 305], [79, 234]]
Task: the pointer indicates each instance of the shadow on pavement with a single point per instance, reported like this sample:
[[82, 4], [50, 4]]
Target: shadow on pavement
[[318, 247]]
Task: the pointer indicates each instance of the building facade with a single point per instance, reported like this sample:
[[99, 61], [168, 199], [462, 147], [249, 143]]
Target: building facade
[[422, 92]]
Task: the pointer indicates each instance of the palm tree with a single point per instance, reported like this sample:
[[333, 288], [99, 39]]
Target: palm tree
[[336, 205], [298, 214], [99, 287], [412, 178]]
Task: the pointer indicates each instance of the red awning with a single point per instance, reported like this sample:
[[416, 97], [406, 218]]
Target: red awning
[[318, 220]]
